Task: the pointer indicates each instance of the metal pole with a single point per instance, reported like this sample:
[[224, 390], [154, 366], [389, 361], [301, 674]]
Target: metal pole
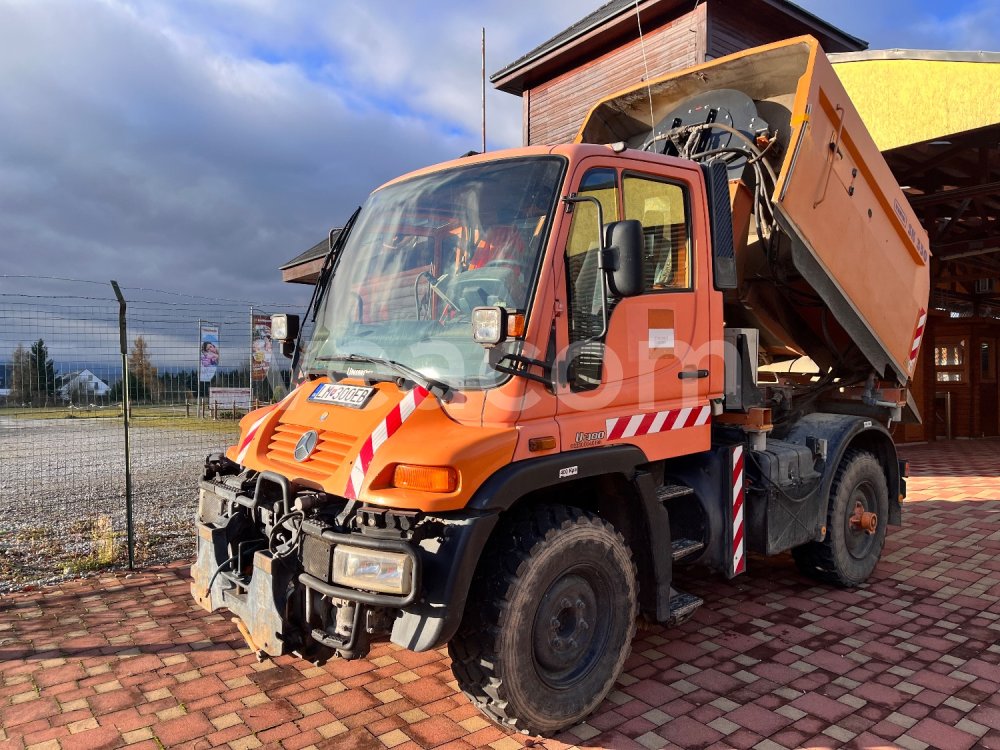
[[484, 89], [250, 405], [126, 409], [197, 374]]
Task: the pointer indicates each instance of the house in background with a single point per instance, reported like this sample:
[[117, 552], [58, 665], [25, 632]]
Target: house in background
[[5, 378], [80, 385]]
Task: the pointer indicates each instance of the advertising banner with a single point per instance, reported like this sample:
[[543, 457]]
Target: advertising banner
[[208, 357], [260, 347]]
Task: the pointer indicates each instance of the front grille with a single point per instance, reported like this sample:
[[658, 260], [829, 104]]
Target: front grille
[[331, 451]]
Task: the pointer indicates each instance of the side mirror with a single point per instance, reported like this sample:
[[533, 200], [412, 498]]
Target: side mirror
[[284, 327], [623, 257]]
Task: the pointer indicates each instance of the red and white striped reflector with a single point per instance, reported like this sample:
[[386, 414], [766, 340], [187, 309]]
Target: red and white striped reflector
[[739, 557], [385, 430], [659, 421], [917, 338]]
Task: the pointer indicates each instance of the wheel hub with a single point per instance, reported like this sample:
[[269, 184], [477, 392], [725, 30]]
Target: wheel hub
[[863, 520], [569, 628]]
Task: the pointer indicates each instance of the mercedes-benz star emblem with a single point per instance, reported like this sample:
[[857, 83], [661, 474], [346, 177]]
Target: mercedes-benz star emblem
[[306, 445]]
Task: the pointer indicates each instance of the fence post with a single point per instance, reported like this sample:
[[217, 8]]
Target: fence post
[[126, 411]]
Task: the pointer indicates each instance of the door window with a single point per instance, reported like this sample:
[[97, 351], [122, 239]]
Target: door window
[[662, 209], [584, 284]]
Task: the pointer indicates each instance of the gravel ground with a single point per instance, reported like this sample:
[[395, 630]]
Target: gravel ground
[[62, 484]]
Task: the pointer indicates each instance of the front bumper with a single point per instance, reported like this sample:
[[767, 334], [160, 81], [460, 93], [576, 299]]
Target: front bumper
[[273, 604], [260, 605]]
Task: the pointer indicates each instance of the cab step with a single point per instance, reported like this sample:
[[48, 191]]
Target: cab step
[[681, 548], [682, 607], [667, 492]]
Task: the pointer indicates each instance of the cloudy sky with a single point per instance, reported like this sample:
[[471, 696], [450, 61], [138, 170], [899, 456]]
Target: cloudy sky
[[195, 145]]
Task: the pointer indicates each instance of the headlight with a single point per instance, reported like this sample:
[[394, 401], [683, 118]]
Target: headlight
[[488, 325], [371, 570]]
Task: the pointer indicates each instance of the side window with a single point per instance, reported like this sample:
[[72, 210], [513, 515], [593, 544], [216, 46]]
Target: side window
[[584, 283], [662, 209]]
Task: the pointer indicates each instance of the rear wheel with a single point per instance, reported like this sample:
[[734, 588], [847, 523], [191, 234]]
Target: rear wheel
[[855, 526], [549, 621]]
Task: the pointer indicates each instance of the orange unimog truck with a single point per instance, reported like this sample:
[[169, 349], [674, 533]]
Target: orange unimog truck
[[528, 390]]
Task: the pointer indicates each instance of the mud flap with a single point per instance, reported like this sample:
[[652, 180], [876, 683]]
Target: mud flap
[[259, 606]]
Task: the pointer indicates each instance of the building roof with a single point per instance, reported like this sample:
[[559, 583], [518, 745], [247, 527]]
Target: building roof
[[936, 116], [912, 96], [68, 377], [616, 8], [934, 55], [304, 268], [317, 251]]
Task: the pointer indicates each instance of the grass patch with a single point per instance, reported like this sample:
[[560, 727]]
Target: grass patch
[[152, 416]]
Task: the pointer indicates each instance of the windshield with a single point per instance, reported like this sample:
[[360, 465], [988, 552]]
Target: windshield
[[422, 254]]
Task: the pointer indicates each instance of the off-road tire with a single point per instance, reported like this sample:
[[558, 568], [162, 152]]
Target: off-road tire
[[523, 657], [846, 556]]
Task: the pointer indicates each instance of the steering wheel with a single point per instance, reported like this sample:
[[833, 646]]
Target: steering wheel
[[423, 305]]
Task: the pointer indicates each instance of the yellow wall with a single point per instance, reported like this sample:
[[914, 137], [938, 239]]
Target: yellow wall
[[909, 101]]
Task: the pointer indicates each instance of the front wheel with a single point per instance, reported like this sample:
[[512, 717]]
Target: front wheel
[[549, 621], [855, 526]]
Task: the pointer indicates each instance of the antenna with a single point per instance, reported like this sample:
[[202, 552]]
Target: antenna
[[649, 91], [484, 89]]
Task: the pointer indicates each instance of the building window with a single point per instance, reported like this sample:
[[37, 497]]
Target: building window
[[950, 360], [988, 361]]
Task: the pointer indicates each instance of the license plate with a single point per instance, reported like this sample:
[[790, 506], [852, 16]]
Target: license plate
[[354, 396]]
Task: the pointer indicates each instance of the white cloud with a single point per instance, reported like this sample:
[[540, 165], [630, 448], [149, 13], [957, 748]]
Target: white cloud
[[198, 145]]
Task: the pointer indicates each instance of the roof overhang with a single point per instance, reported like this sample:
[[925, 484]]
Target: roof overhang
[[912, 96], [305, 267], [936, 116], [614, 22]]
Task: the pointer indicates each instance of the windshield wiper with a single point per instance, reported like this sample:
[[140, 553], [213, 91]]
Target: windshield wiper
[[438, 388]]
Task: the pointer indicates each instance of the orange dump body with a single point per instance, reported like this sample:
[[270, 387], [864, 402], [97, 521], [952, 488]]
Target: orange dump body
[[850, 234]]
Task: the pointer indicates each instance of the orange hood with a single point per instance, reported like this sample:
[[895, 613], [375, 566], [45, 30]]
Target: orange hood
[[356, 449]]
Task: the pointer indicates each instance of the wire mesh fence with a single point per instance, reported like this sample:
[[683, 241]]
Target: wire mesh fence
[[83, 486]]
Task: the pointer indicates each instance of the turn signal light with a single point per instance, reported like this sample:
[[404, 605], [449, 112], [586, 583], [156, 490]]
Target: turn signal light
[[425, 478], [515, 325], [541, 444]]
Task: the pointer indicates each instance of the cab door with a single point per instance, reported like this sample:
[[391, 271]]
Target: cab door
[[645, 380]]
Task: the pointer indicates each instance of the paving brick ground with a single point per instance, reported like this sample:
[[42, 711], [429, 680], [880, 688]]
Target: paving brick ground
[[911, 660]]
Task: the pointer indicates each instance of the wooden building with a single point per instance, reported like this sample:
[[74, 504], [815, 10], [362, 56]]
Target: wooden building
[[560, 80], [936, 117]]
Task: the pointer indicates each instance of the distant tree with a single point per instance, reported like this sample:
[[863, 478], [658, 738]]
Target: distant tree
[[143, 382], [20, 375], [177, 387], [34, 374]]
